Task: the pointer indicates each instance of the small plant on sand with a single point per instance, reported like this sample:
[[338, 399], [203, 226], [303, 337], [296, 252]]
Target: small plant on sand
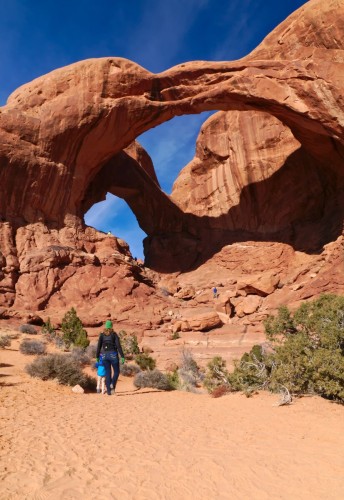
[[216, 374], [173, 379], [129, 369], [129, 344], [154, 379], [145, 361], [175, 336], [73, 331], [5, 341], [61, 367], [220, 391], [32, 347], [29, 329], [251, 373], [48, 330], [189, 374]]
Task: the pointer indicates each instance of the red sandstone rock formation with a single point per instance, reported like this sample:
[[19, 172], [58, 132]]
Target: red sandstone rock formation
[[264, 193]]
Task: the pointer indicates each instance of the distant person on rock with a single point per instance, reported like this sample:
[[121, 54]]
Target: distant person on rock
[[101, 372], [110, 347], [215, 292]]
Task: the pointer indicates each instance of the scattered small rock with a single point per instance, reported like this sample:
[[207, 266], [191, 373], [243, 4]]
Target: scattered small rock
[[77, 389]]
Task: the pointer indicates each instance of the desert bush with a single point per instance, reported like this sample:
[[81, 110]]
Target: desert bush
[[91, 351], [32, 347], [216, 374], [188, 376], [129, 369], [175, 336], [220, 391], [307, 352], [29, 329], [5, 341], [173, 378], [59, 343], [80, 355], [129, 344], [188, 381], [188, 362], [73, 331], [154, 379], [61, 367], [252, 372], [145, 361], [48, 330]]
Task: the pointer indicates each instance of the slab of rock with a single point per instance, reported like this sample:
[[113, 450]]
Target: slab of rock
[[262, 285], [204, 322], [77, 389]]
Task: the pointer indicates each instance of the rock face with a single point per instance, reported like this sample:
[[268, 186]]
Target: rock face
[[260, 208]]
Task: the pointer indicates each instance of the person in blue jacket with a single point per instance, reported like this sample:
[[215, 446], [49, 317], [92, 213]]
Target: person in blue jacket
[[100, 375], [110, 347]]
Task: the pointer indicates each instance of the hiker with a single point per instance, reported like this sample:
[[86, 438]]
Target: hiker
[[100, 375], [110, 348], [215, 292]]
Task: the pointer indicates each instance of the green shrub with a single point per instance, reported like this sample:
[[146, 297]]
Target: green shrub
[[145, 361], [173, 378], [29, 329], [188, 376], [307, 355], [73, 331], [154, 379], [129, 344], [175, 336], [5, 341], [32, 347], [129, 369], [61, 367], [251, 372], [48, 330], [80, 355], [216, 374], [188, 362]]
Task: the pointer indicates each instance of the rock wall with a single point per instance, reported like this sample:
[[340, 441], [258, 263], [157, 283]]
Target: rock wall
[[268, 168]]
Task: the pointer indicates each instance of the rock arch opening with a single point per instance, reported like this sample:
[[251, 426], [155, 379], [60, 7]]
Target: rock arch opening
[[169, 147], [250, 178], [115, 216]]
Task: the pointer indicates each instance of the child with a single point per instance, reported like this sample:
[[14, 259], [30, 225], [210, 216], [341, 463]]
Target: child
[[100, 375]]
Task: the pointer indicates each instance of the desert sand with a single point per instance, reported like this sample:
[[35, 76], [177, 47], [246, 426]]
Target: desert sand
[[146, 444]]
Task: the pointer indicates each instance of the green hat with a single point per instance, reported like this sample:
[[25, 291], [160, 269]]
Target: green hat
[[108, 324]]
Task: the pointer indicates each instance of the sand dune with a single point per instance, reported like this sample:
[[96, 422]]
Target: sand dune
[[154, 445]]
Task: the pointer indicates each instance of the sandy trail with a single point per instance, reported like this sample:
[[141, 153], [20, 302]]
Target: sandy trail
[[155, 445]]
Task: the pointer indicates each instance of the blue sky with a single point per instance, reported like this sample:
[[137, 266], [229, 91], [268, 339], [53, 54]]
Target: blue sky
[[38, 36]]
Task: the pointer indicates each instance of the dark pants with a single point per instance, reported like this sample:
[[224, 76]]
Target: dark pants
[[111, 359]]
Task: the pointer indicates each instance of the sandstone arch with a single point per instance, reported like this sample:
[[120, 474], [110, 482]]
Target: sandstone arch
[[67, 135]]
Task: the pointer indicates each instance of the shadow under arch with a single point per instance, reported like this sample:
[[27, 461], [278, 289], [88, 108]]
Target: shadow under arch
[[300, 204]]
